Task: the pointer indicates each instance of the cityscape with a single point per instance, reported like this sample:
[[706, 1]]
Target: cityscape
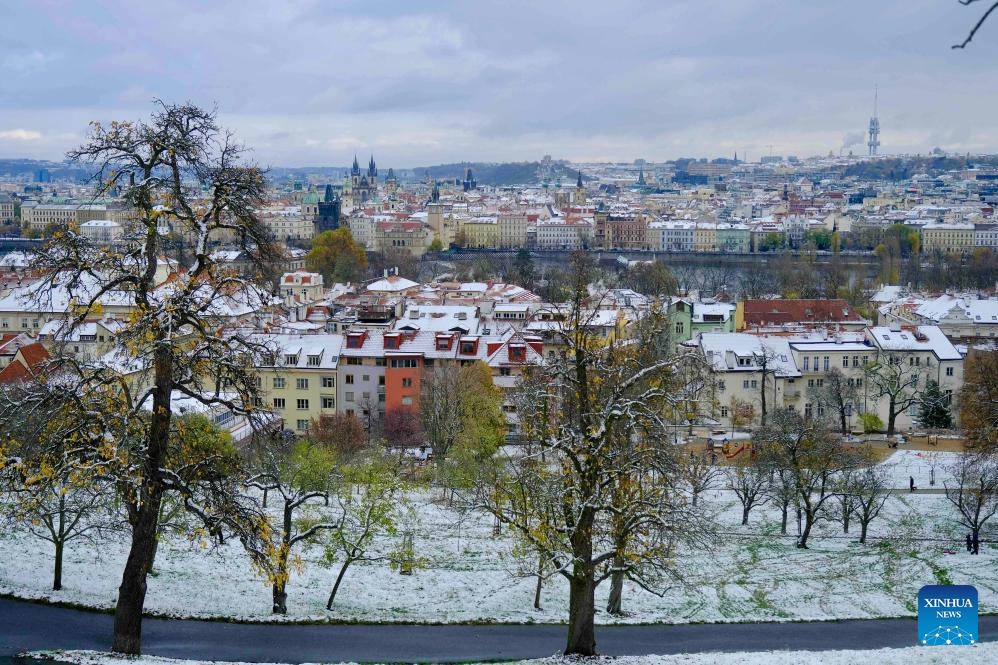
[[660, 378]]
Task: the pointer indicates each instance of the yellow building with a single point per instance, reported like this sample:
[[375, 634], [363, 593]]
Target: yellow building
[[705, 237], [947, 238], [481, 232], [298, 380]]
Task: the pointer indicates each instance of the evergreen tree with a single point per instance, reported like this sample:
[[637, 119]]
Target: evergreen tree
[[933, 408]]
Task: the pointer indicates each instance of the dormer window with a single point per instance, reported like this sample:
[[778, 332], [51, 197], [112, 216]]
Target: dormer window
[[313, 360], [443, 343], [391, 342], [517, 353], [290, 359]]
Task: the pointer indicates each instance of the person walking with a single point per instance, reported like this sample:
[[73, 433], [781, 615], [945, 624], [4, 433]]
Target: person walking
[[976, 542], [970, 544], [911, 483]]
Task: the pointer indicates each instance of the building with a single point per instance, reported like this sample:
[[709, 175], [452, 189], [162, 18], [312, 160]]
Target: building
[[102, 230], [298, 377], [764, 314], [948, 238]]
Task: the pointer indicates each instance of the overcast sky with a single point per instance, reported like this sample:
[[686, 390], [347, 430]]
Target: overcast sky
[[309, 82]]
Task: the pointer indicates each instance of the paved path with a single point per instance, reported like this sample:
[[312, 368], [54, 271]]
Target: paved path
[[30, 626]]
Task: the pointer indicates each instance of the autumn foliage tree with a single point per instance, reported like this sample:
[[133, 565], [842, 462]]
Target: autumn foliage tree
[[337, 256], [597, 496], [177, 170]]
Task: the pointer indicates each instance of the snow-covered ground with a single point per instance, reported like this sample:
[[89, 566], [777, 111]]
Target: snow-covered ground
[[982, 653], [470, 575]]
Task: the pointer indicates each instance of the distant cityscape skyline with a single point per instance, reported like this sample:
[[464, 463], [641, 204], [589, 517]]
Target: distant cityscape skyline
[[303, 83]]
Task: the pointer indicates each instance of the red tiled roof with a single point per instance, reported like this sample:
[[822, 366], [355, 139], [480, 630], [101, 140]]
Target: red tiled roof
[[778, 312]]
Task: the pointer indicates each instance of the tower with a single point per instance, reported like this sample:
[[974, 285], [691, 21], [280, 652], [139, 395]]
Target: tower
[[580, 191], [355, 172], [391, 184], [874, 141], [372, 174]]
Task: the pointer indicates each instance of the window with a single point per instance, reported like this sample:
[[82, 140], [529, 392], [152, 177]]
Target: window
[[402, 363], [467, 347], [302, 404], [819, 382], [679, 327], [427, 362], [821, 410], [810, 383], [290, 359], [755, 384], [303, 425], [366, 378], [816, 363], [313, 361], [348, 397], [328, 402], [745, 383], [443, 344], [724, 412], [355, 361], [866, 359], [278, 382], [380, 362], [807, 364], [855, 361], [949, 371], [301, 384], [329, 382], [845, 361], [407, 383], [381, 380], [406, 401], [826, 363], [278, 402], [807, 410], [348, 379], [859, 382], [720, 386]]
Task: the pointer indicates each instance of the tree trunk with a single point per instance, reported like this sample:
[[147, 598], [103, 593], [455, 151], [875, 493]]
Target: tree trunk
[[582, 611], [806, 532], [746, 507], [280, 596], [845, 518], [145, 519], [891, 417], [57, 573], [336, 584], [783, 518], [842, 420], [862, 530], [615, 603], [540, 582], [60, 543]]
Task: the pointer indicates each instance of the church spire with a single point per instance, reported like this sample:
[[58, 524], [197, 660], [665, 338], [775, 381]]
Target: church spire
[[578, 183], [356, 166]]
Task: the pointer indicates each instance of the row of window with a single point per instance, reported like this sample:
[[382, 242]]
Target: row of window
[[279, 382], [327, 402]]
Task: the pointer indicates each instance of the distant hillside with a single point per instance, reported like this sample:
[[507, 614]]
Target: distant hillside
[[29, 167], [512, 173], [902, 168]]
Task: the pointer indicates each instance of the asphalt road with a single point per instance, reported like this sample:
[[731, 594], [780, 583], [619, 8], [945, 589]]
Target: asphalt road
[[30, 626]]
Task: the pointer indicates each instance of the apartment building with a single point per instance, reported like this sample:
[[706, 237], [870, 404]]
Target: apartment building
[[298, 378]]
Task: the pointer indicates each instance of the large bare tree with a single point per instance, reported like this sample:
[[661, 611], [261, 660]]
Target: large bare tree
[[181, 173]]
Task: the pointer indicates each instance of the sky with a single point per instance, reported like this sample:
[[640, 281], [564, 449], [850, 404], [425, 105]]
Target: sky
[[312, 82]]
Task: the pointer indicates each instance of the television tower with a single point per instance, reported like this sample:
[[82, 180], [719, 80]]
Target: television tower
[[874, 141]]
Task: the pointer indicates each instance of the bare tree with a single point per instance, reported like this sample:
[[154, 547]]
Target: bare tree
[[809, 456], [173, 329], [749, 481], [871, 487], [836, 394], [974, 489], [699, 475], [891, 378], [980, 22]]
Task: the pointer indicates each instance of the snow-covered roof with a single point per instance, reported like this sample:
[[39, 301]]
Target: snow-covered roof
[[439, 318], [741, 352], [921, 338]]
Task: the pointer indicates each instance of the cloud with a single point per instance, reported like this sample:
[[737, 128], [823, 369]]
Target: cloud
[[20, 135], [852, 138]]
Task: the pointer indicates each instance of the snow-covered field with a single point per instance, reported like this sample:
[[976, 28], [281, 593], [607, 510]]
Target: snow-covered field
[[470, 575], [982, 653]]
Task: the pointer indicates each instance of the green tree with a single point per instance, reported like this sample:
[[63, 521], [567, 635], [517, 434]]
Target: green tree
[[299, 474], [371, 499], [337, 257], [190, 175], [933, 407], [896, 381], [435, 246], [524, 272]]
